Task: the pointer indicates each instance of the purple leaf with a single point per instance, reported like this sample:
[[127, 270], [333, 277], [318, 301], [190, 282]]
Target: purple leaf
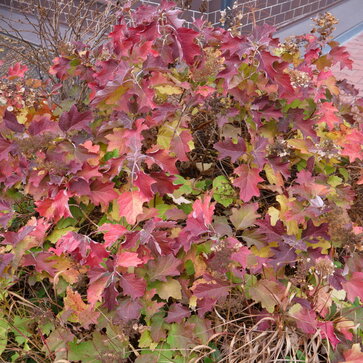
[[177, 312], [228, 149], [11, 122], [74, 120], [5, 260], [133, 285], [129, 310]]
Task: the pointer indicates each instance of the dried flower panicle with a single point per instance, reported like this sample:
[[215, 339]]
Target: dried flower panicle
[[326, 149], [212, 65], [290, 45], [324, 267], [324, 25], [280, 148], [299, 79]]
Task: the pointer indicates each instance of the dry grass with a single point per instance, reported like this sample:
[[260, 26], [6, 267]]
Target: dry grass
[[241, 339]]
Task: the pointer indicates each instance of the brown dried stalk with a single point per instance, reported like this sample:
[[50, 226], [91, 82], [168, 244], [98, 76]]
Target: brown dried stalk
[[55, 26]]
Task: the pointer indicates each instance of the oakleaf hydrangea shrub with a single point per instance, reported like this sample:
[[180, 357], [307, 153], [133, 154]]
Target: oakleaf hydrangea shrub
[[195, 187]]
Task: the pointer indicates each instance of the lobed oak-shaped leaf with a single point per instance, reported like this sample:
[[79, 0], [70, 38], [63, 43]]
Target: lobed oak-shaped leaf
[[162, 267], [268, 293], [228, 148], [55, 208], [130, 205], [354, 286], [133, 285], [74, 120], [247, 182], [112, 232], [245, 216], [177, 312]]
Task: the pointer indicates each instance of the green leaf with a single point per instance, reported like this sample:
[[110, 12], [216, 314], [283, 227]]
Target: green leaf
[[189, 267], [344, 172], [4, 328], [66, 222], [334, 181], [84, 352], [58, 233], [223, 192], [145, 340], [110, 155], [179, 338]]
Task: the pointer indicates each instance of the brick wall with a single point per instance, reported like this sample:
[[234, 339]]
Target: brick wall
[[275, 12], [279, 13]]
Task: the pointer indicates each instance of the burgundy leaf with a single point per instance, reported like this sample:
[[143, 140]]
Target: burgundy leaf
[[11, 122], [133, 285], [177, 312], [229, 149], [74, 120], [162, 267]]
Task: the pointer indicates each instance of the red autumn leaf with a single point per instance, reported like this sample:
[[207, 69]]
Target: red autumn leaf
[[163, 160], [189, 48], [81, 248], [128, 259], [131, 205], [228, 148], [177, 312], [247, 182], [88, 172], [97, 253], [74, 120], [117, 142], [241, 256], [60, 67], [54, 208], [275, 70], [327, 332], [163, 183], [162, 267], [340, 55], [5, 148], [203, 209], [112, 232], [328, 115], [308, 187], [42, 261], [354, 286], [99, 279], [41, 124], [17, 70], [102, 193], [5, 260], [212, 290], [354, 355], [144, 182], [305, 319], [179, 145], [351, 142], [13, 238], [133, 285], [79, 186]]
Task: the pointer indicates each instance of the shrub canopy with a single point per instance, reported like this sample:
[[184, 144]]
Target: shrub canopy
[[175, 181]]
